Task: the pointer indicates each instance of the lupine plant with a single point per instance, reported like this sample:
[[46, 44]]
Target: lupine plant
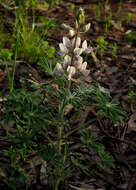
[[113, 47], [72, 63], [101, 46], [44, 116], [128, 16]]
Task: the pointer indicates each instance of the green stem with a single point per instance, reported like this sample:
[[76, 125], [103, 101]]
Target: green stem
[[59, 140], [57, 183], [58, 171], [16, 48], [48, 138], [65, 153], [59, 144], [69, 84], [14, 66], [73, 56], [33, 12], [8, 74], [76, 129], [59, 128]]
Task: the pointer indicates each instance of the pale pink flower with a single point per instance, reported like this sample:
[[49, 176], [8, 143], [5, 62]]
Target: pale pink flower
[[86, 72]]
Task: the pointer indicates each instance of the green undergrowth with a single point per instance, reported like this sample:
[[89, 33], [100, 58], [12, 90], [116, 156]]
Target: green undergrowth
[[36, 120]]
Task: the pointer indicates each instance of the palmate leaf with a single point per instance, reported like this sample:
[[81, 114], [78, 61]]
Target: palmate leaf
[[104, 159], [50, 155], [107, 106], [83, 91], [47, 65], [112, 111], [24, 107], [77, 161], [69, 97]]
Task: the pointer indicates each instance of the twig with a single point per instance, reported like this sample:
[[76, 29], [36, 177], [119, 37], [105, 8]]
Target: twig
[[120, 140], [132, 181]]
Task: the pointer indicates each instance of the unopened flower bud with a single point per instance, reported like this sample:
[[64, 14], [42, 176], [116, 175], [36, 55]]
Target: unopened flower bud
[[71, 32], [80, 16], [87, 27], [65, 26]]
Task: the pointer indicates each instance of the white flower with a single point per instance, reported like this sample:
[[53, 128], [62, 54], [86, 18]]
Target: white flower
[[83, 67], [60, 69], [67, 61], [59, 66], [71, 65], [85, 48], [71, 30], [78, 51], [63, 49], [78, 42], [66, 42], [71, 71], [78, 62]]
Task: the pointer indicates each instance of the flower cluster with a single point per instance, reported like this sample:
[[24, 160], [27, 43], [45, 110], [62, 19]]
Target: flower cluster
[[71, 50], [76, 65]]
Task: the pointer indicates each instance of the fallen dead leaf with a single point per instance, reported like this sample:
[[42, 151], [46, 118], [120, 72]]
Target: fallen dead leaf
[[132, 123], [85, 187], [68, 109]]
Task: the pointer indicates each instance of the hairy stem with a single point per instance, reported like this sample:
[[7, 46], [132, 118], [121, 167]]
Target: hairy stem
[[16, 50], [73, 56], [59, 140]]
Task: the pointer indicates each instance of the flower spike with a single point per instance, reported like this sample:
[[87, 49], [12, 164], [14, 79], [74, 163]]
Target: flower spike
[[71, 49]]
